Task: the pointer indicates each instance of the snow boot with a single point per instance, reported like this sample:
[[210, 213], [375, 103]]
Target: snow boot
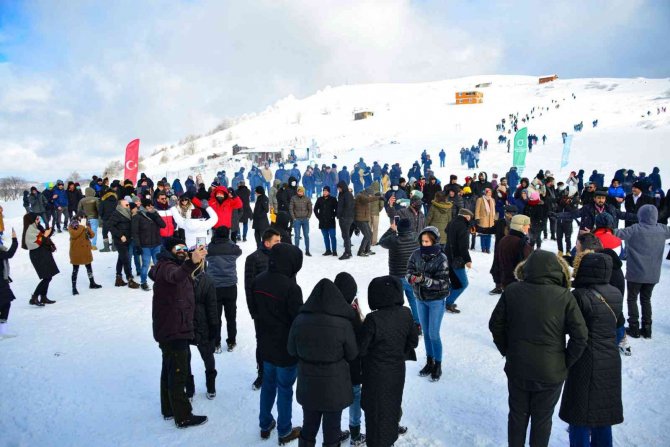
[[344, 435], [210, 379], [345, 256], [217, 349], [645, 332], [428, 369], [46, 300], [120, 282], [74, 284], [302, 442], [146, 287], [105, 249], [307, 253], [402, 430], [192, 421], [34, 300], [453, 309], [292, 436], [91, 282], [497, 290], [265, 434], [335, 253], [357, 438], [132, 284], [328, 253], [231, 346], [437, 372], [624, 347], [633, 330]]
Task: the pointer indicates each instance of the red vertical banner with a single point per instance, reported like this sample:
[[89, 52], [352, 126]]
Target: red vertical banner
[[132, 161]]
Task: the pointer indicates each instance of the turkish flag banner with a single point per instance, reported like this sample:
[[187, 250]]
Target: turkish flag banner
[[132, 161]]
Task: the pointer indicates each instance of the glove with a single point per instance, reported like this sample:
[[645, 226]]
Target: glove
[[414, 279]]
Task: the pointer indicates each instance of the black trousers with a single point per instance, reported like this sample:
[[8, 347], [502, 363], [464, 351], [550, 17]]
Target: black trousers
[[645, 291], [4, 310], [534, 402], [43, 287], [259, 360], [367, 236], [226, 299], [564, 230], [345, 226], [206, 351], [311, 421], [123, 260], [105, 231], [258, 235], [174, 373]]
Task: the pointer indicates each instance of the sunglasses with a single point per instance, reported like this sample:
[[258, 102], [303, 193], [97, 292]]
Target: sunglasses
[[180, 248]]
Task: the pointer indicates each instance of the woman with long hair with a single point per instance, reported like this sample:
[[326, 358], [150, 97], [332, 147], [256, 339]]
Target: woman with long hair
[[80, 251], [485, 214], [40, 247]]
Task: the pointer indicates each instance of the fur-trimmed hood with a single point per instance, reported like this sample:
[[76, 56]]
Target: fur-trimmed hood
[[543, 267]]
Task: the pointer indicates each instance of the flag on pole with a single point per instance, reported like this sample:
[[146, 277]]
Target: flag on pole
[[566, 151], [132, 160], [520, 149]]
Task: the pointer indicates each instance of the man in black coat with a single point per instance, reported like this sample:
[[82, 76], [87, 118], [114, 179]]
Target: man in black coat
[[429, 190], [255, 264], [345, 214], [120, 227], [276, 301], [513, 249], [325, 210], [458, 236], [401, 242], [529, 324], [597, 206], [146, 227], [323, 340], [172, 311], [108, 203], [260, 220], [389, 339], [636, 200], [222, 269]]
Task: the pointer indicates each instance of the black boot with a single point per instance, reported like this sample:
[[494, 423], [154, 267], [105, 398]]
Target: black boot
[[437, 372], [428, 369], [633, 330], [74, 282], [34, 300], [91, 282], [210, 379], [357, 438], [645, 332], [302, 442], [46, 300]]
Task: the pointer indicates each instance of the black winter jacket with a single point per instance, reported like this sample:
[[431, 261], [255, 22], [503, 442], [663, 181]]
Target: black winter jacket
[[434, 269], [325, 210], [345, 202], [458, 241], [6, 294], [592, 393], [255, 264], [145, 229], [260, 220], [531, 319], [206, 320], [323, 340], [108, 203], [119, 226], [222, 257], [276, 302], [400, 247]]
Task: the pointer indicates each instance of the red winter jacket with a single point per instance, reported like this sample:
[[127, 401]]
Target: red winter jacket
[[166, 215], [224, 211], [607, 238]]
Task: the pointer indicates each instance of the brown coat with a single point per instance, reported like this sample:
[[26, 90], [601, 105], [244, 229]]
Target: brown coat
[[2, 223], [362, 207], [485, 219], [80, 245]]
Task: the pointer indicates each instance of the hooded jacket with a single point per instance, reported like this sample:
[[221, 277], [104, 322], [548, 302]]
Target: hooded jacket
[[433, 268], [439, 216], [345, 203], [276, 300], [645, 244], [592, 392], [400, 245], [90, 204], [531, 319], [223, 210], [322, 338], [222, 257]]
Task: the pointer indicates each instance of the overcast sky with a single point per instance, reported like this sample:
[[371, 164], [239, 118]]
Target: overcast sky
[[79, 79]]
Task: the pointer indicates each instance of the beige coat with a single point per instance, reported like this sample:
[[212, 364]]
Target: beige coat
[[485, 219], [80, 245]]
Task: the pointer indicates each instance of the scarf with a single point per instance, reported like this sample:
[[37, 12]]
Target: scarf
[[125, 212], [5, 265], [431, 250], [487, 205]]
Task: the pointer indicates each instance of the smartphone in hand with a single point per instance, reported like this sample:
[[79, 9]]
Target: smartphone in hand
[[201, 242]]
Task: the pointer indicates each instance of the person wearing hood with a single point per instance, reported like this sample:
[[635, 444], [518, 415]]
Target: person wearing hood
[[349, 289], [285, 194], [345, 215], [80, 251], [6, 294], [481, 184], [282, 224], [389, 339], [323, 340], [275, 303], [645, 243], [392, 198], [276, 185], [528, 325], [37, 241], [89, 206], [120, 227], [259, 218], [281, 173], [427, 273], [222, 201], [414, 212], [591, 401], [458, 234], [255, 264], [245, 212], [330, 179], [429, 191], [177, 188], [222, 269], [308, 182], [172, 312], [108, 203], [325, 210]]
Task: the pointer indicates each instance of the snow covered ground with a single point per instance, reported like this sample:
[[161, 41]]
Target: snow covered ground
[[85, 371]]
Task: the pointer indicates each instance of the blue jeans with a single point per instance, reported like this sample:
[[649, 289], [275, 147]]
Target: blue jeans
[[355, 408], [303, 224], [329, 239], [455, 293], [277, 383], [134, 258], [620, 333], [430, 315], [409, 293], [485, 241], [94, 228], [245, 229], [148, 255], [581, 436]]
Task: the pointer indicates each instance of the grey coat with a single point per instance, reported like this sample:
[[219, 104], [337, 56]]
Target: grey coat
[[645, 242]]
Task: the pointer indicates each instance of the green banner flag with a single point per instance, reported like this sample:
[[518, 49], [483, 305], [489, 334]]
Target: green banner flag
[[520, 148]]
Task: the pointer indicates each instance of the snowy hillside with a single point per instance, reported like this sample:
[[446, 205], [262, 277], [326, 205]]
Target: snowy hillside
[[411, 117], [85, 371]]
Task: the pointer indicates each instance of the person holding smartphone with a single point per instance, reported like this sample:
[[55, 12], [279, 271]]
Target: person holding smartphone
[[81, 251]]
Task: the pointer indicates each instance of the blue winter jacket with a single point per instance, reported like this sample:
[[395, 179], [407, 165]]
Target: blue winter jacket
[[62, 197], [222, 257], [344, 176]]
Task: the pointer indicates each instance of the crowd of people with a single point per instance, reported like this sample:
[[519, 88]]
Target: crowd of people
[[186, 241]]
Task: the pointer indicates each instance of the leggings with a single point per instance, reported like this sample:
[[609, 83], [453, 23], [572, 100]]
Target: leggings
[[43, 287]]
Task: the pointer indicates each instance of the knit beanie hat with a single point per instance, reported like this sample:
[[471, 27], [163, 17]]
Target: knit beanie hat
[[466, 212], [605, 220]]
